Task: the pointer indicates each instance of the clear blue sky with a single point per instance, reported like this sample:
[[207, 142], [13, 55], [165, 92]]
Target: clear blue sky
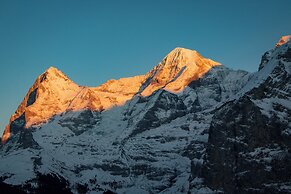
[[92, 40]]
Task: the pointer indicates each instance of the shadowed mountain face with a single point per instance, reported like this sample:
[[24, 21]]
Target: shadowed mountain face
[[250, 137], [189, 125]]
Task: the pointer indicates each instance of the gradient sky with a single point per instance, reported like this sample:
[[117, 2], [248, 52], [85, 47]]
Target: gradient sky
[[92, 41]]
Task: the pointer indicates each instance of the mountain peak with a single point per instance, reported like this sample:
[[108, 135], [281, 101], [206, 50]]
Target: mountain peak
[[177, 70], [181, 52], [283, 40], [52, 73], [48, 96], [181, 49], [51, 69], [54, 93], [186, 57]]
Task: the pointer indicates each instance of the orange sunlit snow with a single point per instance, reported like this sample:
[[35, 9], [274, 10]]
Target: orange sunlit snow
[[54, 93]]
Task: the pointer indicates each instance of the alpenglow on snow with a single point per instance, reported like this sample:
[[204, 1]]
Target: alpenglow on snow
[[189, 125]]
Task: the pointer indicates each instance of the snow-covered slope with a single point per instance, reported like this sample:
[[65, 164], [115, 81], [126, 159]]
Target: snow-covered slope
[[54, 93], [176, 71], [283, 40], [50, 95], [249, 137], [190, 125]]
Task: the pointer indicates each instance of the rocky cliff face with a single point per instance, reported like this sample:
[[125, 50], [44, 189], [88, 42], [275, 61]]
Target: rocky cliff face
[[189, 125], [249, 137]]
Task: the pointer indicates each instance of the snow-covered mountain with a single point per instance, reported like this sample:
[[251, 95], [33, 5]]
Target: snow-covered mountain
[[190, 125], [58, 94], [249, 145]]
